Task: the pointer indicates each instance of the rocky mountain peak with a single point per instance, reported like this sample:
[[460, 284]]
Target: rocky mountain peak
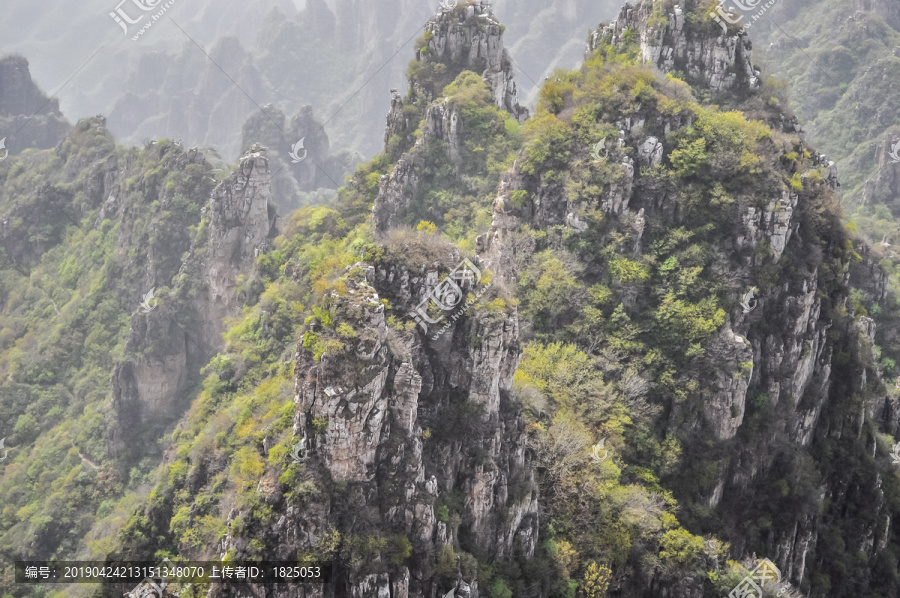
[[472, 37], [28, 118], [668, 41], [467, 37], [19, 95]]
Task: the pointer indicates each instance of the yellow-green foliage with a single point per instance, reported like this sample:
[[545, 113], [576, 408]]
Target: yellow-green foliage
[[64, 320], [558, 91], [680, 546], [556, 369], [629, 271], [563, 381], [319, 346], [718, 145], [596, 581], [611, 329], [548, 289], [689, 157], [456, 194], [547, 143], [689, 323], [428, 228], [247, 466]]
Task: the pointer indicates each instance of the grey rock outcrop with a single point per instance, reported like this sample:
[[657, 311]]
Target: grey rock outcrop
[[242, 222], [185, 95], [397, 122], [733, 356], [651, 152], [867, 275], [772, 224], [464, 38], [469, 37], [299, 151], [828, 167], [162, 353], [779, 354], [723, 62], [885, 184], [883, 8], [395, 192], [382, 415]]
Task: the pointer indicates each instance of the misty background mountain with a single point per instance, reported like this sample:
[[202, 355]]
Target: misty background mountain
[[339, 57]]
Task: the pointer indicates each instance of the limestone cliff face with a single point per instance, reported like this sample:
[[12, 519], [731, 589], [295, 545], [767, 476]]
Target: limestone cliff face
[[470, 38], [867, 275], [241, 225], [172, 341], [885, 184], [398, 189], [783, 345], [393, 425], [884, 9], [405, 421], [723, 62]]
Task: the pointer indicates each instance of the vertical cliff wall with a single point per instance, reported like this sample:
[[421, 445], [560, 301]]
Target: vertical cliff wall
[[168, 344]]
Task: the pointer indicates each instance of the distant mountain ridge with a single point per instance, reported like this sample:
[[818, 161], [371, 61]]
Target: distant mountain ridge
[[321, 56]]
